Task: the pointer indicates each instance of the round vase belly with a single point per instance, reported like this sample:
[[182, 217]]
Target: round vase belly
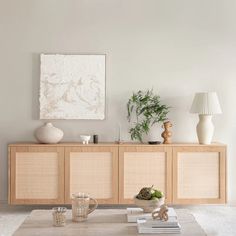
[[48, 134]]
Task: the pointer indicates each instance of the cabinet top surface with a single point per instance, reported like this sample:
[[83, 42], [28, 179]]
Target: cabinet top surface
[[113, 144]]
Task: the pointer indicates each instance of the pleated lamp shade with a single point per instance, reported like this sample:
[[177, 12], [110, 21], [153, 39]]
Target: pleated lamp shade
[[206, 104]]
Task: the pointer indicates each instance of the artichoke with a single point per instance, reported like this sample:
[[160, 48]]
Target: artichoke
[[145, 193]]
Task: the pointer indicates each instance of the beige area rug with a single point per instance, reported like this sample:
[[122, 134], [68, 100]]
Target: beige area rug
[[215, 220]]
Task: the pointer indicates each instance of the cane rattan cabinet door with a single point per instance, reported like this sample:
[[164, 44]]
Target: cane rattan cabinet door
[[36, 175], [143, 166], [199, 175], [93, 170]]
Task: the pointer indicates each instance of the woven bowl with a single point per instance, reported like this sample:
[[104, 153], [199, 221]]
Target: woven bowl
[[149, 205]]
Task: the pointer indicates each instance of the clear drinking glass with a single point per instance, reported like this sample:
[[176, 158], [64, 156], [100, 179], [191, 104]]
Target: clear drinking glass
[[80, 206], [59, 216]]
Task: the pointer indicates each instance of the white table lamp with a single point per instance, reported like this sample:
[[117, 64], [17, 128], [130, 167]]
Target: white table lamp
[[206, 105]]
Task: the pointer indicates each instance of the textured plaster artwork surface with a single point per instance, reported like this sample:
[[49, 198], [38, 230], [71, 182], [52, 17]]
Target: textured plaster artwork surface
[[72, 87]]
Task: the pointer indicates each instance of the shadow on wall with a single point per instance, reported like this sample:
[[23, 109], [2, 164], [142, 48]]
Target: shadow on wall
[[181, 117], [35, 85]]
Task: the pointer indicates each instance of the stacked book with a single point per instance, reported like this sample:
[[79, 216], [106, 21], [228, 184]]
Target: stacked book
[[146, 224]]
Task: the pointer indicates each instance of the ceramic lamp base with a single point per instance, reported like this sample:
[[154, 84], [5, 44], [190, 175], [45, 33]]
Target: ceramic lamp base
[[205, 129]]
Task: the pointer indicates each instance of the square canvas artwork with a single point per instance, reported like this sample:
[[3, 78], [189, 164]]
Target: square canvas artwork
[[72, 87]]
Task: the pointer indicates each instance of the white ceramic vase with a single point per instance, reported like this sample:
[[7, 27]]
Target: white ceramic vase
[[48, 134], [154, 133]]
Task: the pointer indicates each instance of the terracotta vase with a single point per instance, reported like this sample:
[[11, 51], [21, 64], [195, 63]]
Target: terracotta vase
[[48, 134]]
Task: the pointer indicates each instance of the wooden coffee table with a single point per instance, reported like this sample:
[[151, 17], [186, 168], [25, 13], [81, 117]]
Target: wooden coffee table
[[100, 223]]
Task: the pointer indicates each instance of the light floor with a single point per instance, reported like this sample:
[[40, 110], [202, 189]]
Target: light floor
[[215, 220]]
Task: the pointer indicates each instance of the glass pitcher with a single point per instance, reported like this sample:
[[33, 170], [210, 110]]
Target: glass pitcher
[[80, 206]]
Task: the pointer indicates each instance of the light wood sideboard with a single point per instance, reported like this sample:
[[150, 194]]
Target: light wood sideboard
[[114, 173]]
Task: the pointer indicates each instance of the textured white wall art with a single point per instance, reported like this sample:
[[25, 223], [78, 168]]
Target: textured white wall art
[[72, 87]]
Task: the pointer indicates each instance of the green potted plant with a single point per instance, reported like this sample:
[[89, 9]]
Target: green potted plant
[[146, 109]]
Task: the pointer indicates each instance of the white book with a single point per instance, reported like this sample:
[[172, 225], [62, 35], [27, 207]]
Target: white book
[[153, 231], [148, 224], [144, 231], [171, 222], [136, 213], [143, 228]]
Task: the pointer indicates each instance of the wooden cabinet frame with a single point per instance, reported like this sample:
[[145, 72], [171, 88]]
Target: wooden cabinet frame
[[117, 151], [111, 149], [12, 174], [168, 162], [222, 174]]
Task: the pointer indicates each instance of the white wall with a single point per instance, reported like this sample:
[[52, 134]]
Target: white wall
[[178, 47]]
